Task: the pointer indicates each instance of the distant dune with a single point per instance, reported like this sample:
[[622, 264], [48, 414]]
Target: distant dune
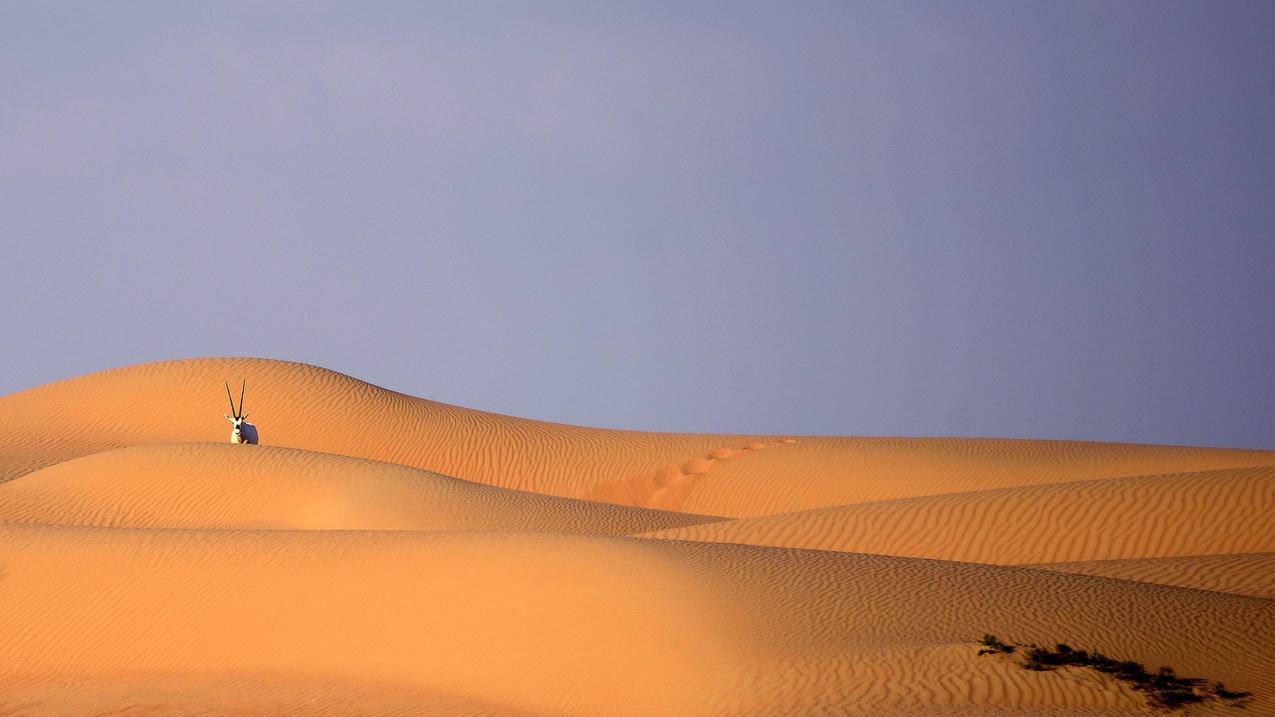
[[385, 554]]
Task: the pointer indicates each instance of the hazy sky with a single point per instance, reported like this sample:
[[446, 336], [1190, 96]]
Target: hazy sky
[[1013, 219]]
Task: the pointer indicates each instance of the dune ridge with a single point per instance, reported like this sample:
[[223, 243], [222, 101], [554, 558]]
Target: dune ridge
[[387, 554], [301, 406], [218, 485], [1138, 517], [1251, 574]]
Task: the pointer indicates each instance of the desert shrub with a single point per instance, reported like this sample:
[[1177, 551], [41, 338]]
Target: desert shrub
[[1130, 671], [1165, 689], [1220, 690], [1102, 663], [992, 646]]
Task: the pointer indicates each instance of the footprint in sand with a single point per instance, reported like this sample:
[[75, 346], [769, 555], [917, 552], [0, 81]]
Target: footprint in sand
[[697, 466], [669, 476], [668, 487]]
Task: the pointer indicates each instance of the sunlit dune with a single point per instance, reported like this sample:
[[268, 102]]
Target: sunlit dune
[[299, 406], [218, 485], [1148, 516], [580, 624], [824, 472], [385, 554]]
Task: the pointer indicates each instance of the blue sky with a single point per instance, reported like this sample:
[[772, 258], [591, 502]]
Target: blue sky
[[1011, 219]]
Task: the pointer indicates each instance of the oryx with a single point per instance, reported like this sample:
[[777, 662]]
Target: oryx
[[243, 431]]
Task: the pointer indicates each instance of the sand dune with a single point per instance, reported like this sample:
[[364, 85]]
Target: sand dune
[[218, 485], [584, 625], [306, 407], [825, 472], [1226, 511], [385, 554], [1243, 574]]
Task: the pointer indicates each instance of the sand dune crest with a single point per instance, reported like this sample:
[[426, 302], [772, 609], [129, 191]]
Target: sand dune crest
[[1224, 511], [216, 485], [181, 402], [1250, 574]]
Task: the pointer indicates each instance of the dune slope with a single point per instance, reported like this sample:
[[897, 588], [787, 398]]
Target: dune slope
[[1250, 574], [1226, 511], [581, 624], [831, 471], [219, 485], [307, 407]]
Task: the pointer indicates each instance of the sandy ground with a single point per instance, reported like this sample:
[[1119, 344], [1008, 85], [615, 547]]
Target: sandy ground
[[385, 554]]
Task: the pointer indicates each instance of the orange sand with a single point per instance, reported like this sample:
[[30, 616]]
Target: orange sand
[[383, 554], [1242, 574], [1141, 517]]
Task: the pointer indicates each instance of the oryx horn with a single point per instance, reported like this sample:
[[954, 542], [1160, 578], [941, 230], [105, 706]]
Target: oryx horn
[[231, 398]]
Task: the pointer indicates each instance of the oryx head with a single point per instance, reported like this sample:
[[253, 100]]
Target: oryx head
[[238, 415]]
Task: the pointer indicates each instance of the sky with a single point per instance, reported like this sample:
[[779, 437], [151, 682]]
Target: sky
[[1020, 219]]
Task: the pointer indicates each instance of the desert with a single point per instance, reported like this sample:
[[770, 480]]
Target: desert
[[436, 559], [637, 359]]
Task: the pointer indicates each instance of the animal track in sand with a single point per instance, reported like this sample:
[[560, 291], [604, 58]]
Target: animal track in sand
[[667, 487]]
